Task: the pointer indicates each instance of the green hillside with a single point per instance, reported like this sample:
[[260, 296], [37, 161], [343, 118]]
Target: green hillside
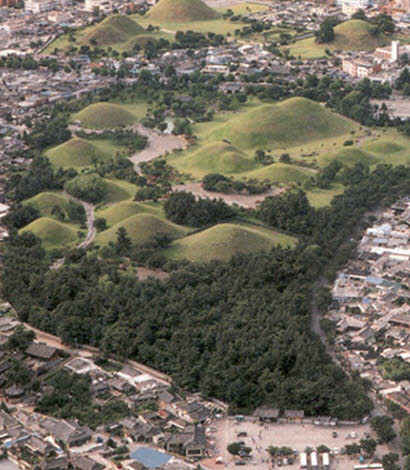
[[282, 173], [223, 241], [353, 35], [52, 233], [80, 153], [181, 11], [349, 157], [123, 210], [44, 202], [112, 30], [142, 228], [117, 191], [293, 122], [218, 157], [104, 116]]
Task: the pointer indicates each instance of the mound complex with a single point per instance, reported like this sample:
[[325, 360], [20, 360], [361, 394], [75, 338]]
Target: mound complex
[[282, 173], [112, 30], [123, 210], [223, 241], [142, 228], [182, 11], [104, 116], [349, 157], [290, 123], [52, 233]]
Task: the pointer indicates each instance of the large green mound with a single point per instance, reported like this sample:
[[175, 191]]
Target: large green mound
[[349, 157], [142, 228], [181, 11], [117, 191], [52, 233], [219, 157], [223, 241], [44, 202], [104, 116], [290, 123], [356, 35], [76, 152], [384, 147], [282, 173], [112, 30], [123, 210]]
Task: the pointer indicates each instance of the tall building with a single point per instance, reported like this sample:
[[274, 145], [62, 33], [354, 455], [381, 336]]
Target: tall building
[[351, 6], [391, 53], [39, 6]]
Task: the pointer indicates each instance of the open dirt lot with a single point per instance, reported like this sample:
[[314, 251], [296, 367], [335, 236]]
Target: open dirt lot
[[295, 436]]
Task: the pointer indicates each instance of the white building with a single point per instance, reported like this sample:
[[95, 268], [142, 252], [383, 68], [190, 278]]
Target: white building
[[39, 6], [351, 6]]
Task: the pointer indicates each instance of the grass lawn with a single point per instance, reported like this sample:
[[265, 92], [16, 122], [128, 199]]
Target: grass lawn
[[244, 8], [389, 146], [322, 197]]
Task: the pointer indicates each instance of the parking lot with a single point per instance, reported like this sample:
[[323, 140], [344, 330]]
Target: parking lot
[[296, 436]]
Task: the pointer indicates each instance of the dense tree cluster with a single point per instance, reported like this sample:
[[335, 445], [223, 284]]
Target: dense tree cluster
[[183, 208], [90, 187]]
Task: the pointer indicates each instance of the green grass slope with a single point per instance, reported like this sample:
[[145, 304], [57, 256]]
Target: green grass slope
[[52, 233], [80, 153], [104, 116], [181, 11], [113, 30], [282, 173], [123, 210], [223, 241], [141, 228], [293, 122], [44, 202], [218, 157], [349, 157]]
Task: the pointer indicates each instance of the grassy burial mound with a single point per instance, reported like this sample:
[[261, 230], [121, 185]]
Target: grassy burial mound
[[44, 203], [80, 153], [142, 228], [104, 116], [219, 157], [355, 35], [349, 157], [282, 173], [123, 210], [293, 122], [223, 241], [52, 233], [112, 30], [181, 11]]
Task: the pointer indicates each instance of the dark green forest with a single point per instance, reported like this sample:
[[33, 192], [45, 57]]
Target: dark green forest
[[238, 331]]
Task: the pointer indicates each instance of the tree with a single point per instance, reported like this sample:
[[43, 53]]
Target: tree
[[325, 33], [123, 241], [352, 449], [383, 426], [21, 339], [234, 448], [390, 461], [368, 446], [100, 224], [405, 436]]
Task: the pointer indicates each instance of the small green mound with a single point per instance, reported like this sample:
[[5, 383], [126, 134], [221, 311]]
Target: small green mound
[[123, 210], [223, 241], [384, 147], [349, 157], [113, 30], [117, 191], [142, 228], [104, 116], [292, 122], [182, 11], [282, 173], [76, 153], [52, 233], [219, 157], [44, 202]]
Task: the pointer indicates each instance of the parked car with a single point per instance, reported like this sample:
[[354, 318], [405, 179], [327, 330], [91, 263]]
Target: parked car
[[334, 434], [240, 462], [242, 434]]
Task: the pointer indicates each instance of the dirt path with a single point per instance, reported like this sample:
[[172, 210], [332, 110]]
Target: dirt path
[[247, 201], [91, 230], [158, 144]]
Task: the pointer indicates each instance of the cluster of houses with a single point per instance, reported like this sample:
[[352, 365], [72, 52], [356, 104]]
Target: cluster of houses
[[371, 307], [158, 415]]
